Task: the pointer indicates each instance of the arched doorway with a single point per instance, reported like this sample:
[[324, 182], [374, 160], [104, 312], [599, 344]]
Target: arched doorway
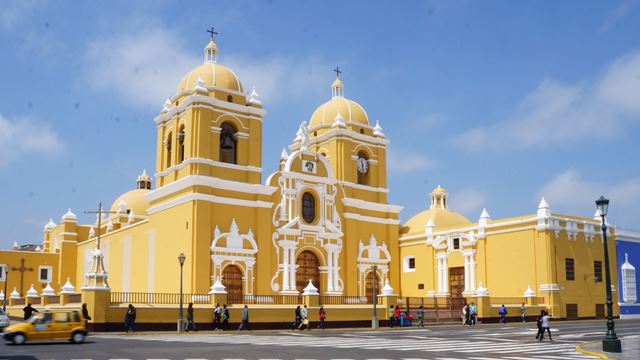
[[307, 268], [232, 281], [369, 286]]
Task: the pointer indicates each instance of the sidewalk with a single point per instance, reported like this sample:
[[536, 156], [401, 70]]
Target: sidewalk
[[630, 349]]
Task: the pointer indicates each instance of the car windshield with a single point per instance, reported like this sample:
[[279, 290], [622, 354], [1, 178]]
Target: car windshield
[[43, 318]]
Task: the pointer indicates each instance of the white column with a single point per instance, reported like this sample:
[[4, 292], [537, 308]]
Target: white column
[[472, 268], [286, 270], [330, 255], [445, 275], [466, 273], [292, 268], [336, 268], [440, 274]]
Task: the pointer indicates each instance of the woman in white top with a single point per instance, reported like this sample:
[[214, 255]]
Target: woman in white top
[[545, 325]]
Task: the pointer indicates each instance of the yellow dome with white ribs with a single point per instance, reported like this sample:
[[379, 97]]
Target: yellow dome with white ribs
[[438, 215], [339, 110], [133, 200], [211, 73]]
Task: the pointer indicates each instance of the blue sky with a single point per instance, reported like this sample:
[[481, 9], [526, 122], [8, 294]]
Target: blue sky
[[501, 102]]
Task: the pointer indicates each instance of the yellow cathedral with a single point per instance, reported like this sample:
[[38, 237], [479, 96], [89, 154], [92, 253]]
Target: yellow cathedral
[[323, 218]]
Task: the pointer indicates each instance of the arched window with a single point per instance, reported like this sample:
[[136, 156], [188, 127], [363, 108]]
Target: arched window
[[229, 98], [308, 207], [169, 150], [228, 144], [362, 168], [181, 139]]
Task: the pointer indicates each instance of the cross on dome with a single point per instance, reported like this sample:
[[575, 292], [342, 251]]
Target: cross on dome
[[337, 71], [210, 31], [211, 50]]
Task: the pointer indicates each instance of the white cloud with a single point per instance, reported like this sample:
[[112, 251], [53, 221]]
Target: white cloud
[[145, 65], [23, 136], [570, 193], [557, 113], [15, 10], [469, 202], [430, 121], [619, 12], [400, 161]]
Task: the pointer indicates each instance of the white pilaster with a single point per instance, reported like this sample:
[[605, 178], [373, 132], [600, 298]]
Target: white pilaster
[[466, 273], [285, 274]]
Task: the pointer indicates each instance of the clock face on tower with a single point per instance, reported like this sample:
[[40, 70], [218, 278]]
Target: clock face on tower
[[363, 165]]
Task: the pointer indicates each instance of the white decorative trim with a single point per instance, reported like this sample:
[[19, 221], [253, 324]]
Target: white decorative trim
[[212, 182], [126, 263], [549, 287], [3, 273], [49, 274], [372, 219], [198, 100], [363, 187], [368, 205], [209, 198], [405, 263], [151, 260], [68, 234], [207, 162]]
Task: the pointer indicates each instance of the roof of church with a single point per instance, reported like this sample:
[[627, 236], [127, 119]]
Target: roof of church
[[212, 74], [134, 201], [441, 218]]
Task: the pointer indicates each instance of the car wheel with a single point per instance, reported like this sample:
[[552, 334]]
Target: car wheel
[[19, 339], [77, 337]]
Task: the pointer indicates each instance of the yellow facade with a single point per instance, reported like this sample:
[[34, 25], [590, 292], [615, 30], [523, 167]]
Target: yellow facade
[[323, 216]]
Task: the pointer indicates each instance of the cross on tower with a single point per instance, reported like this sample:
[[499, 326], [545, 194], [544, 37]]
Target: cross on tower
[[337, 71], [22, 269], [210, 31]]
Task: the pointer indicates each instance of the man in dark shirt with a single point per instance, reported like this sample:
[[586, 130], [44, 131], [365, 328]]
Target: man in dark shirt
[[28, 311]]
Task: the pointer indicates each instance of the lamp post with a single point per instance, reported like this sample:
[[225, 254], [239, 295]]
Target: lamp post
[[181, 259], [374, 320], [6, 280], [610, 343]]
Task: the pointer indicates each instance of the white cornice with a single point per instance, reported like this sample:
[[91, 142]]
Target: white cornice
[[368, 205], [209, 198], [207, 162], [363, 187], [341, 134], [194, 100], [212, 182], [106, 236], [307, 177], [372, 219]]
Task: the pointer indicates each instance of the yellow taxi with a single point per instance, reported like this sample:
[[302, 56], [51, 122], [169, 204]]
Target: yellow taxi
[[49, 325]]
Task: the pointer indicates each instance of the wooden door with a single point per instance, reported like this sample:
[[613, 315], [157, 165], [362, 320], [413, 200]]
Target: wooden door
[[371, 278], [307, 268], [456, 287], [232, 281]]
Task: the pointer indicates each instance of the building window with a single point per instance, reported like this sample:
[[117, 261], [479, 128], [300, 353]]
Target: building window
[[228, 144], [44, 274], [362, 168], [420, 286], [308, 207], [3, 272], [456, 243], [229, 98], [569, 269], [572, 311], [169, 150], [361, 131], [597, 271], [181, 138], [409, 264]]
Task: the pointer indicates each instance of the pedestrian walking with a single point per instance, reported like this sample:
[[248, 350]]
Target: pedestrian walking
[[391, 316], [322, 315], [244, 325], [545, 325], [503, 314], [474, 313], [421, 316], [297, 318], [217, 315], [190, 323], [539, 325], [465, 314], [28, 311], [130, 319], [85, 314], [225, 317], [304, 316], [523, 312], [396, 316]]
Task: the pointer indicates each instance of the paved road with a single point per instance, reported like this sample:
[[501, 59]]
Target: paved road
[[512, 342]]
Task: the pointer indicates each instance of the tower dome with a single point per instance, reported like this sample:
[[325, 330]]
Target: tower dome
[[348, 110], [211, 73], [438, 214]]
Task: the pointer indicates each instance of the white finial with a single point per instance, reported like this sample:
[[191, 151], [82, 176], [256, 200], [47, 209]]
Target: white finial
[[481, 290], [377, 130], [304, 140], [14, 294], [48, 290], [387, 289], [200, 85], [484, 218], [110, 225], [543, 204], [92, 232], [310, 289], [122, 206], [283, 155], [50, 225], [167, 106], [217, 287], [1, 295], [32, 293], [597, 215], [69, 216], [529, 292], [339, 121], [68, 288], [38, 248], [132, 217], [543, 209], [15, 245], [254, 97]]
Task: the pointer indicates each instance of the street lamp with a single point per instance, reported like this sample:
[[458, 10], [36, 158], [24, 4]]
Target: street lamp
[[181, 259], [374, 320], [6, 280], [610, 343]]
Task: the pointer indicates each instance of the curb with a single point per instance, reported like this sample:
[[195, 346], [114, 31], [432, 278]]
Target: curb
[[587, 352]]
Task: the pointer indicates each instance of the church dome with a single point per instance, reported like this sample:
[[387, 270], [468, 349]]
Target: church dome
[[133, 200], [211, 73], [438, 214], [349, 110]]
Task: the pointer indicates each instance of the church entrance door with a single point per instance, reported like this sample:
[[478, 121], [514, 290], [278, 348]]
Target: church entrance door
[[307, 268], [456, 287], [369, 286], [232, 281]]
